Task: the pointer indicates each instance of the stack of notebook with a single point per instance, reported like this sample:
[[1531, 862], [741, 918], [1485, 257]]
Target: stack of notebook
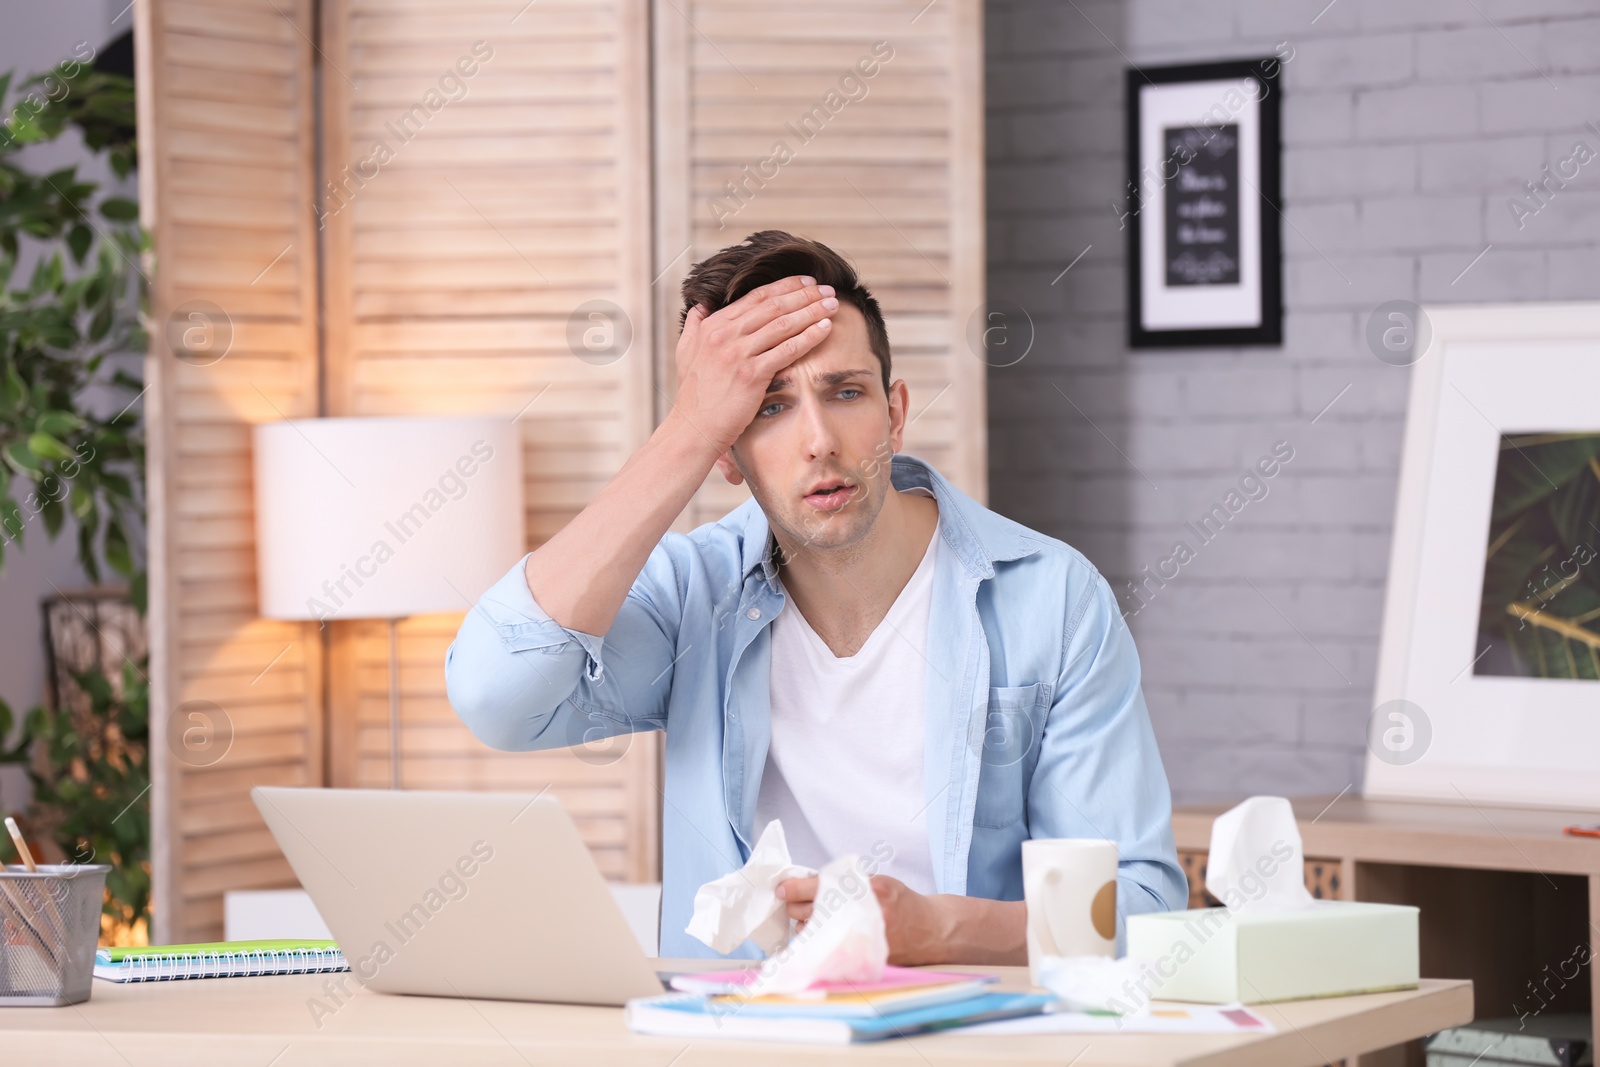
[[221, 959], [901, 1003]]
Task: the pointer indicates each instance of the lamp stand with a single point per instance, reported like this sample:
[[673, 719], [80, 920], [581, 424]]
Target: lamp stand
[[394, 703]]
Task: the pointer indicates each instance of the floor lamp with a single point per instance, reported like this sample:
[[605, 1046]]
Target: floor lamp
[[384, 518]]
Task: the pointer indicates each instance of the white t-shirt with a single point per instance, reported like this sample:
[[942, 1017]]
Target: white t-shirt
[[844, 770]]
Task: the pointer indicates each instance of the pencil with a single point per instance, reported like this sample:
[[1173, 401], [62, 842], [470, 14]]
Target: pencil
[[22, 846], [31, 918]]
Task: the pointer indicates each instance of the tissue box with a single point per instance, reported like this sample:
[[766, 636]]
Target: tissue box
[[1331, 948]]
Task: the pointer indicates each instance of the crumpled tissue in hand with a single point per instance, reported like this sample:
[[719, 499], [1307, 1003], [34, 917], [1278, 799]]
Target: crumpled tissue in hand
[[844, 940], [744, 905]]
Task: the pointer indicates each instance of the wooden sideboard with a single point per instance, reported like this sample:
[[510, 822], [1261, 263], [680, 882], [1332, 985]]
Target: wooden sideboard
[[1508, 900]]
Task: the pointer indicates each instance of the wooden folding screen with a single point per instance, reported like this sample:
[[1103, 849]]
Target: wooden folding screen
[[413, 207], [487, 179], [226, 163]]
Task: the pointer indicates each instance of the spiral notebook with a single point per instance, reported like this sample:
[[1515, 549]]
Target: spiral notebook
[[218, 959]]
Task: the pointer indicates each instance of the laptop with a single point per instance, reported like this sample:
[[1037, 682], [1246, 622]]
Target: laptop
[[484, 895]]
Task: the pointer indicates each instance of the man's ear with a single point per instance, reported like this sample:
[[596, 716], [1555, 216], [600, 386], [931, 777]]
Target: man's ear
[[899, 408], [729, 471]]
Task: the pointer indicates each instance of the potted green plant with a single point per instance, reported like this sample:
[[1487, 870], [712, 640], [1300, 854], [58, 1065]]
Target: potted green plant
[[65, 451]]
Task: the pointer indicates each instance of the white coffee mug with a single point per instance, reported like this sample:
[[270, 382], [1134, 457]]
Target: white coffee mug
[[1070, 884]]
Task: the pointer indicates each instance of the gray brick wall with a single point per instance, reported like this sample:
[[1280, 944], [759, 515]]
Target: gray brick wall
[[1407, 126]]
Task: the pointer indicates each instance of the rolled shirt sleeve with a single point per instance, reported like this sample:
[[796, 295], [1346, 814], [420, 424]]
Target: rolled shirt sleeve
[[519, 680]]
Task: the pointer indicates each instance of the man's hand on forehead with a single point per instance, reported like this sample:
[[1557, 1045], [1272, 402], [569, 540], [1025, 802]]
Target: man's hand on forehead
[[727, 358]]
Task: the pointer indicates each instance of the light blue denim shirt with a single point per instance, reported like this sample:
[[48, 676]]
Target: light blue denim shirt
[[1036, 725]]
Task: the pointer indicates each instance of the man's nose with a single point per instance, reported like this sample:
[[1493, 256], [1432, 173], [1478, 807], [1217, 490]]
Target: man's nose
[[816, 427]]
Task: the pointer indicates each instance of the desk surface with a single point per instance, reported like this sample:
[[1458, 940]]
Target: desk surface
[[267, 1022]]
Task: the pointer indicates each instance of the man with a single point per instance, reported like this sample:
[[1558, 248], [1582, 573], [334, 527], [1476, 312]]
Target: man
[[861, 651]]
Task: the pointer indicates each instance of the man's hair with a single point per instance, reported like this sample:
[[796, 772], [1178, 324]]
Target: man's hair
[[721, 278]]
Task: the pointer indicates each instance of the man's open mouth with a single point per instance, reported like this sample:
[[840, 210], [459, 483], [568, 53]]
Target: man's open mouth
[[830, 496]]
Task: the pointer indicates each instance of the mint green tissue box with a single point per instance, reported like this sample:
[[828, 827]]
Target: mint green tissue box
[[1332, 948]]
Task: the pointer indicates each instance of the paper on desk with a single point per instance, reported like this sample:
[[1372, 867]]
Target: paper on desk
[[843, 941], [1256, 863], [744, 905], [1161, 1019]]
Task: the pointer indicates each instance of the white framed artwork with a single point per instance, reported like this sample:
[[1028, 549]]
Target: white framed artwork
[[1488, 687]]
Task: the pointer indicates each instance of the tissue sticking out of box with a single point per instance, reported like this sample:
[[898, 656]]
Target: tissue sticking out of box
[[1256, 862], [744, 905]]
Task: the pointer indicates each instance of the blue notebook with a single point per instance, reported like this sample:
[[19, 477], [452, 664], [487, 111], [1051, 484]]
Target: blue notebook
[[694, 1015]]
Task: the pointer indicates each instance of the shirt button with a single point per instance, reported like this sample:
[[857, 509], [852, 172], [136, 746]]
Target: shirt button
[[753, 613]]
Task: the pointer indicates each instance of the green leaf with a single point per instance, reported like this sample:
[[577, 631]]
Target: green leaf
[[119, 209], [78, 240], [53, 515], [11, 519], [116, 485], [1520, 553], [46, 446], [1541, 584], [14, 390], [1575, 508], [1551, 645], [21, 458], [139, 592], [1532, 466], [83, 507], [100, 325], [86, 554], [57, 423], [117, 552]]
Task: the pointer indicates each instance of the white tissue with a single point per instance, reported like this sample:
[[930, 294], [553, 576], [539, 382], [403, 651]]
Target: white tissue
[[744, 905], [1256, 862], [843, 941], [1095, 983]]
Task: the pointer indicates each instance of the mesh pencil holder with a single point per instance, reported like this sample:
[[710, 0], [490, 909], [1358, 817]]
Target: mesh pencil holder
[[49, 927]]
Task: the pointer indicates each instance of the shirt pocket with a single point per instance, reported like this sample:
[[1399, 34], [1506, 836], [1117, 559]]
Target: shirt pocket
[[1012, 727]]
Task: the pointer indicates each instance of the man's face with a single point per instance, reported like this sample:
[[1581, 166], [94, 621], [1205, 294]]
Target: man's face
[[817, 454]]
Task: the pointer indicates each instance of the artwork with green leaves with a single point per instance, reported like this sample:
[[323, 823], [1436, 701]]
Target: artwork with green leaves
[[1540, 610]]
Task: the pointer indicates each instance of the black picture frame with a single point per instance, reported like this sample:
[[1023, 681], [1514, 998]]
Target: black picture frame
[[1265, 71]]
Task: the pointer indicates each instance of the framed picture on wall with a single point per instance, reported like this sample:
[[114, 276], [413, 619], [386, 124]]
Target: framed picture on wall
[[1488, 686], [1202, 205]]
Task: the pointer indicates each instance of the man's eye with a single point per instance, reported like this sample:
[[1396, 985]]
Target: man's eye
[[770, 409], [855, 393]]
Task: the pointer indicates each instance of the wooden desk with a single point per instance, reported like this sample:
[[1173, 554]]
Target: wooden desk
[[1507, 899], [265, 1022]]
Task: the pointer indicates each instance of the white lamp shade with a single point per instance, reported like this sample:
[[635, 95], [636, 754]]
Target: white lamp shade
[[376, 518]]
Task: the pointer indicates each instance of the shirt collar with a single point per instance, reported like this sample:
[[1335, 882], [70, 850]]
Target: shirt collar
[[978, 537]]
